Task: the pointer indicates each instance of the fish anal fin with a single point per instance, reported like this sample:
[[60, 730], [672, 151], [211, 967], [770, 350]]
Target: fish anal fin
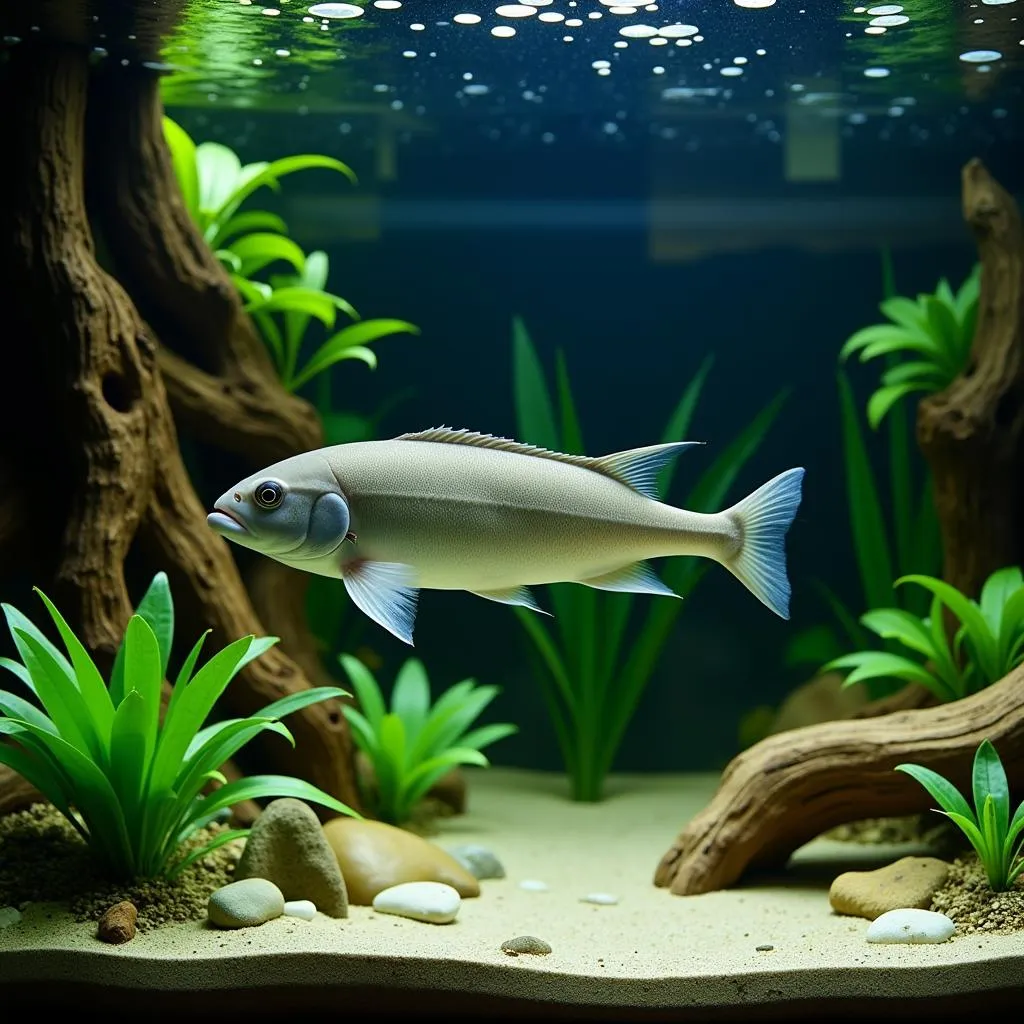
[[512, 595], [636, 468], [386, 592], [635, 578]]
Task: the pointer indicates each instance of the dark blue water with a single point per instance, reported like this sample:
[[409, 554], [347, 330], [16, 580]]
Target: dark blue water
[[640, 209]]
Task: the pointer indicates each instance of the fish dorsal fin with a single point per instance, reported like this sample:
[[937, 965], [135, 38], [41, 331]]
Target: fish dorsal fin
[[636, 468]]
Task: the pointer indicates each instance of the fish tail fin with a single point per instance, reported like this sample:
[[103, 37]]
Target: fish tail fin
[[763, 519]]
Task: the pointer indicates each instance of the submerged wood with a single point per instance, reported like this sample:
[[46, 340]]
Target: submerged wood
[[99, 456], [793, 786]]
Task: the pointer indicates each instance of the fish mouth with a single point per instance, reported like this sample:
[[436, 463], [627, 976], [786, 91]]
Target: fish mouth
[[224, 521]]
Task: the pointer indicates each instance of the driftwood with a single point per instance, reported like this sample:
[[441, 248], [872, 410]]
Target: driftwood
[[791, 787], [104, 360]]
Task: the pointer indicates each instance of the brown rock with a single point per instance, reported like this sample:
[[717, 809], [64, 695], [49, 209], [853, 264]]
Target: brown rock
[[117, 924], [907, 882], [374, 856], [822, 699], [286, 846]]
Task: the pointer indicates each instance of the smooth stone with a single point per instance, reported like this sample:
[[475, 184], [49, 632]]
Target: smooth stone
[[288, 847], [604, 898], [907, 882], [910, 924], [9, 916], [480, 862], [246, 903], [525, 944], [374, 856], [305, 909], [433, 902], [533, 885]]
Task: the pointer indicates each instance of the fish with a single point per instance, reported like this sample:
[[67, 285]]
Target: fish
[[452, 509]]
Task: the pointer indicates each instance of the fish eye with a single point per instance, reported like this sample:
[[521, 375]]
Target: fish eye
[[268, 494]]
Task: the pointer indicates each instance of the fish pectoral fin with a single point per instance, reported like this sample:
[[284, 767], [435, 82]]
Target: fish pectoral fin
[[636, 578], [386, 592], [512, 595]]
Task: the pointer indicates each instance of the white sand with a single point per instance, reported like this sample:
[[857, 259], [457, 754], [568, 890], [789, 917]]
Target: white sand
[[652, 949]]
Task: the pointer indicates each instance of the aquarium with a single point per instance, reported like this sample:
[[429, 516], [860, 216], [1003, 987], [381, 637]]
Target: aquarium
[[512, 510]]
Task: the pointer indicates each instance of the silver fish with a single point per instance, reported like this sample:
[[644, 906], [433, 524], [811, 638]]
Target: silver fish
[[451, 509]]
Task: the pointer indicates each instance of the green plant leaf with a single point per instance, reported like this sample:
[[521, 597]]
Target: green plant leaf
[[143, 674], [969, 614], [299, 300], [410, 698], [571, 434], [87, 676], [867, 523], [267, 174], [895, 623], [42, 772], [487, 734], [371, 700], [941, 790], [908, 314], [988, 780], [219, 171], [259, 249], [341, 344], [890, 337], [418, 781], [130, 752], [884, 398], [535, 415], [249, 221], [882, 665], [183, 160]]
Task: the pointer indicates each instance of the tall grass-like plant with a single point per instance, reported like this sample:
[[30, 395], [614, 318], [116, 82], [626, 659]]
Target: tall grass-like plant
[[131, 784], [412, 744], [591, 676]]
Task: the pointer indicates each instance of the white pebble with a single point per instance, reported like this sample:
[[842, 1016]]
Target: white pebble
[[604, 898], [910, 925], [305, 909], [433, 902], [533, 885]]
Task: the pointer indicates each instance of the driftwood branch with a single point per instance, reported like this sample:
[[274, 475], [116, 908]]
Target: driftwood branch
[[795, 785]]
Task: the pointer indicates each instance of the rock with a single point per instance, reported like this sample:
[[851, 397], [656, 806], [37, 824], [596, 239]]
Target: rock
[[525, 944], [300, 908], [821, 699], [117, 924], [287, 846], [433, 902], [480, 862], [9, 916], [533, 885], [246, 903], [910, 924], [604, 898], [374, 856], [907, 882]]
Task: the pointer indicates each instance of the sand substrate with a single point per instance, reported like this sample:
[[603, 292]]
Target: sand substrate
[[769, 948]]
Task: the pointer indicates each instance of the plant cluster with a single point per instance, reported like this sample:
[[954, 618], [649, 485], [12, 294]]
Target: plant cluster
[[214, 185], [997, 838], [131, 783], [987, 645], [413, 743], [591, 679], [935, 331]]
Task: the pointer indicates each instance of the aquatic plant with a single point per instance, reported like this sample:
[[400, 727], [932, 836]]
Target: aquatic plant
[[997, 839], [988, 644], [298, 299], [214, 183], [936, 331], [131, 784], [414, 743], [591, 679]]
